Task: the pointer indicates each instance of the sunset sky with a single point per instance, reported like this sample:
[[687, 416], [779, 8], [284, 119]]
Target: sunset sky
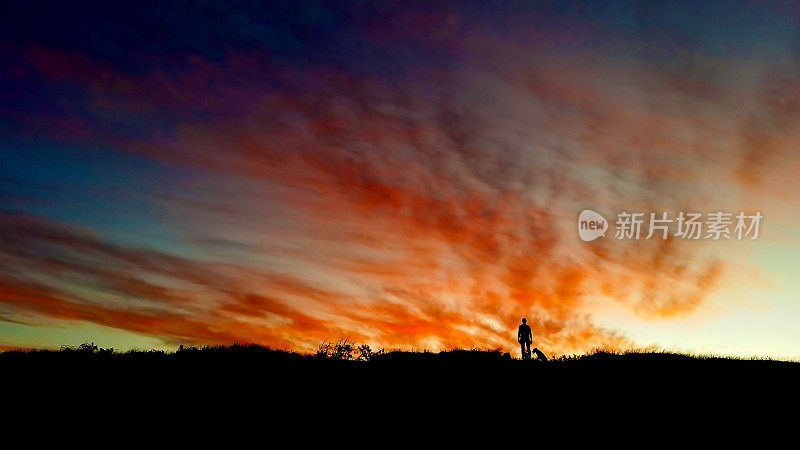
[[404, 174]]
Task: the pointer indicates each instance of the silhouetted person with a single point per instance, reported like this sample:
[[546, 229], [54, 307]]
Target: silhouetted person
[[525, 338]]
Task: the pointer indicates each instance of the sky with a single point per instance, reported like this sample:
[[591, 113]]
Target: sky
[[403, 174]]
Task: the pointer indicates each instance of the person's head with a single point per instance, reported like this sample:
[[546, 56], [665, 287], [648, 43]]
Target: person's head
[[524, 320]]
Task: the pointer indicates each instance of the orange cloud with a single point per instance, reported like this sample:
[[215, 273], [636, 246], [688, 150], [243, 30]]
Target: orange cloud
[[438, 207]]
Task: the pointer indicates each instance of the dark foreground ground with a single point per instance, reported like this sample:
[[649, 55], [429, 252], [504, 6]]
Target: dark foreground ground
[[485, 370], [255, 384], [397, 394]]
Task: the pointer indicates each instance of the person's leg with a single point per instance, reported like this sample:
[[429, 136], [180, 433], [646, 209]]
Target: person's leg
[[522, 348], [528, 349]]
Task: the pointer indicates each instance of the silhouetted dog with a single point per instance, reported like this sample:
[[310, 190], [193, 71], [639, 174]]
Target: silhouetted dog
[[539, 355]]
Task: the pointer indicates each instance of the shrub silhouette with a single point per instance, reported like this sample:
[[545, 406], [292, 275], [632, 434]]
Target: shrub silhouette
[[343, 350], [365, 353], [87, 347]]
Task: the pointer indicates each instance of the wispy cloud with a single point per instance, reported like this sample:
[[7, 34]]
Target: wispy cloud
[[434, 205]]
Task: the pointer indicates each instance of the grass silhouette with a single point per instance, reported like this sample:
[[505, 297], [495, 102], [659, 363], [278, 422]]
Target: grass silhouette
[[346, 375], [349, 353]]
